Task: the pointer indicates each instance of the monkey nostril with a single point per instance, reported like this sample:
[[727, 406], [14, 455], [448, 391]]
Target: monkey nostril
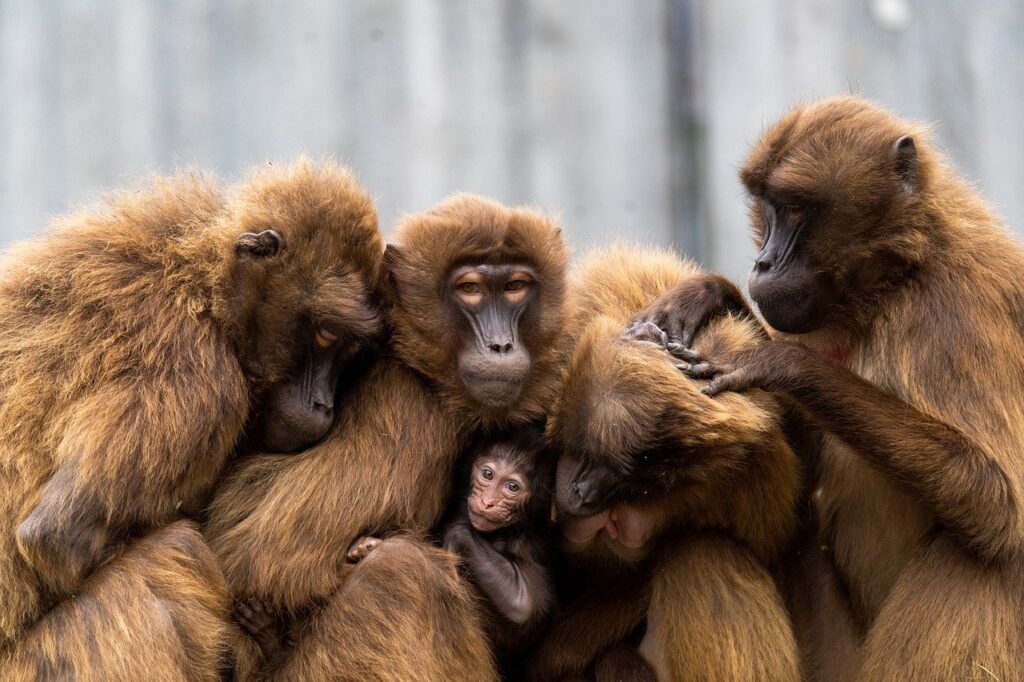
[[501, 347], [321, 406], [584, 491], [762, 265]]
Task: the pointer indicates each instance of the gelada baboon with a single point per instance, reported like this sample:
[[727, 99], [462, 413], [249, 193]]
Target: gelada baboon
[[890, 286], [136, 340], [476, 297], [674, 507], [501, 527]]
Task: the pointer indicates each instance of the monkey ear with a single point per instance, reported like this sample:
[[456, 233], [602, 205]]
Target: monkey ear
[[904, 155], [253, 245], [392, 255]]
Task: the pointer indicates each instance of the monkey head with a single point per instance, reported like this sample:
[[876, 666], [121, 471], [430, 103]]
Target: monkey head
[[477, 295], [299, 294], [632, 434], [835, 194], [508, 481]]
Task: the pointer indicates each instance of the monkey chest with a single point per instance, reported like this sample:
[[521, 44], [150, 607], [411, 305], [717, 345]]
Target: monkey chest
[[870, 525]]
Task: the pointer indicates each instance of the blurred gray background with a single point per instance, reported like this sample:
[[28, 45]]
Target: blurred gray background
[[628, 117]]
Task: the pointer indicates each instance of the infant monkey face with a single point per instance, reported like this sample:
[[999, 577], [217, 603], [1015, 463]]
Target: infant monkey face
[[498, 494]]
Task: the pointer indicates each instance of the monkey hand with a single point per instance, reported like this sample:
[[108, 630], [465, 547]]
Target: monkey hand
[[361, 548], [456, 538], [685, 310], [769, 366], [261, 622]]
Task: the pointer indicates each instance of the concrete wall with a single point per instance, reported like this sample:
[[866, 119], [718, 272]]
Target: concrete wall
[[629, 117]]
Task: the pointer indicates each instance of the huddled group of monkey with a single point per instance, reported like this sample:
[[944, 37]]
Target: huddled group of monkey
[[243, 438]]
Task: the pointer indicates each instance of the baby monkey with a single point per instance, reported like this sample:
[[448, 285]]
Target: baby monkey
[[501, 528]]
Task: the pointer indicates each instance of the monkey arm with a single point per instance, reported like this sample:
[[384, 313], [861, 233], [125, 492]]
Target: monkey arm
[[518, 588], [686, 309], [589, 625], [64, 537], [130, 456], [968, 488]]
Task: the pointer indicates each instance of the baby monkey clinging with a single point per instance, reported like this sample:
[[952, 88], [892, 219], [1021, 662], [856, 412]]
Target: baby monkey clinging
[[501, 528]]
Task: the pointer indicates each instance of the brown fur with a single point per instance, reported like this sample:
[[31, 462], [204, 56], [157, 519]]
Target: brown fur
[[725, 511], [921, 483], [159, 612], [133, 345], [281, 525]]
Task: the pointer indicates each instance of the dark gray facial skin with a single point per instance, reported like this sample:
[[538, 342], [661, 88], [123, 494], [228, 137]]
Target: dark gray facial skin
[[789, 291], [493, 362], [299, 412]]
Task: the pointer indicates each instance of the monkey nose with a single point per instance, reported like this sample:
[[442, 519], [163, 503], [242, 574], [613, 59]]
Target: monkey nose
[[762, 264], [585, 490], [501, 347]]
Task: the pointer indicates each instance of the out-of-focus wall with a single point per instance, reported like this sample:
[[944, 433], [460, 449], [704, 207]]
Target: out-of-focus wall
[[628, 117], [559, 104]]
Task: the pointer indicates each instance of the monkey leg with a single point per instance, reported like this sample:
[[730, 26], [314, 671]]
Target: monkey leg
[[828, 635], [947, 617], [159, 612], [404, 614], [716, 614]]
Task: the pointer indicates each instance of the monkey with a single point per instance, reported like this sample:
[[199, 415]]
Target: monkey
[[887, 284], [140, 342], [674, 508], [475, 300], [500, 527]]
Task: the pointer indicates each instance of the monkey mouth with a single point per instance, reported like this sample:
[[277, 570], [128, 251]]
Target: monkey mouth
[[493, 390], [483, 523]]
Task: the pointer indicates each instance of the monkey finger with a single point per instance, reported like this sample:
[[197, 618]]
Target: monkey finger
[[675, 330], [646, 332], [251, 614], [735, 381], [686, 338], [678, 350], [701, 370]]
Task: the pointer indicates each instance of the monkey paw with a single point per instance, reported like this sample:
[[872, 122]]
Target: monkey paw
[[361, 548], [259, 619], [647, 333]]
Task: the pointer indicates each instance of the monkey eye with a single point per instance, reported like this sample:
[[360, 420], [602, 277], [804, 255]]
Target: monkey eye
[[487, 473], [469, 288], [324, 338], [512, 487], [516, 285], [794, 211]]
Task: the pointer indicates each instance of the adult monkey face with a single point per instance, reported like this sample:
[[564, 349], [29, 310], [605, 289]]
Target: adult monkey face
[[493, 363], [789, 290], [301, 297], [827, 214], [300, 410]]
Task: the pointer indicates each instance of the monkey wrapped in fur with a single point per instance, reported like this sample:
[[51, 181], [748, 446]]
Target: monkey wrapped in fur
[[675, 507], [138, 342]]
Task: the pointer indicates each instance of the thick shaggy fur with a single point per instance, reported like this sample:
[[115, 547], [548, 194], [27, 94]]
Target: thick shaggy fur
[[281, 524], [159, 612], [725, 498], [921, 485], [133, 345]]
